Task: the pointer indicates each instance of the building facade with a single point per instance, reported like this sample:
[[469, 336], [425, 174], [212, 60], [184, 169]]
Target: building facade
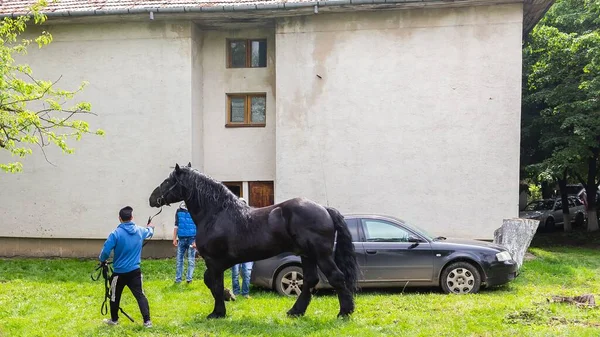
[[399, 108]]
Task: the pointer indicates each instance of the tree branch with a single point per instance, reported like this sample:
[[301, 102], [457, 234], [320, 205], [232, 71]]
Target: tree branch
[[41, 136], [45, 157], [37, 98], [8, 137], [580, 179]]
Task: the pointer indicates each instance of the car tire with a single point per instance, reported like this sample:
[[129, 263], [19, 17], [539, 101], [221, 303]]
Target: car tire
[[579, 220], [460, 278], [549, 225], [289, 281]]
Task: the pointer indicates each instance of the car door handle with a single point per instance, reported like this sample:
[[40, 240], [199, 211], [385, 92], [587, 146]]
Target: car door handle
[[371, 251]]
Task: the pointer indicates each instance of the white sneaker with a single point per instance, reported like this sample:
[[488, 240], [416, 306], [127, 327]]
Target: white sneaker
[[148, 324], [109, 321]]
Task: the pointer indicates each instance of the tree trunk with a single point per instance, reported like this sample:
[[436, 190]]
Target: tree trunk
[[547, 190], [591, 188], [562, 183], [592, 220], [568, 227]]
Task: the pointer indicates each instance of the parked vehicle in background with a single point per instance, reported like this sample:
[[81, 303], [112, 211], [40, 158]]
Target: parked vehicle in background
[[549, 212], [578, 191], [574, 190], [393, 253]]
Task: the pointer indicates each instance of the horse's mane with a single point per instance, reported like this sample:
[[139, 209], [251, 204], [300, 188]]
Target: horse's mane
[[213, 197]]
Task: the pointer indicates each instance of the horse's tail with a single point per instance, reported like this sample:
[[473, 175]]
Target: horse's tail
[[344, 256]]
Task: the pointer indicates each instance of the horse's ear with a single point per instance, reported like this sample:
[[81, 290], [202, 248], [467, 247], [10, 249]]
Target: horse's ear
[[190, 164], [177, 168]]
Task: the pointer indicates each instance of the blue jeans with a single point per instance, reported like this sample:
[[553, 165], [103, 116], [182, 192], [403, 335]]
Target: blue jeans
[[185, 245], [246, 268]]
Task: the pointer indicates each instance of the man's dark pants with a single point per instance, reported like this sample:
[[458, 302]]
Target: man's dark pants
[[133, 280]]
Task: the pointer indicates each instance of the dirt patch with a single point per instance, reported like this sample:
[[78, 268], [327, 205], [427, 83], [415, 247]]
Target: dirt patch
[[586, 300], [544, 316], [535, 315], [528, 256], [564, 321]]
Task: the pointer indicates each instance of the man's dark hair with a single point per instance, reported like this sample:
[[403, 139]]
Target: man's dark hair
[[126, 213]]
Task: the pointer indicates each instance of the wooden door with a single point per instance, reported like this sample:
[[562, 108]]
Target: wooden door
[[262, 193]]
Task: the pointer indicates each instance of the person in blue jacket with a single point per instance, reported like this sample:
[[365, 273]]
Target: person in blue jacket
[[126, 241], [184, 238]]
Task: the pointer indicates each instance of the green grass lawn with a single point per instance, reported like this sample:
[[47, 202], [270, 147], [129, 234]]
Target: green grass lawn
[[57, 298]]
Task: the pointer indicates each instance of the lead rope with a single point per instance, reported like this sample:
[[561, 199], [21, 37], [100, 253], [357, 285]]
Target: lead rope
[[149, 221], [106, 271]]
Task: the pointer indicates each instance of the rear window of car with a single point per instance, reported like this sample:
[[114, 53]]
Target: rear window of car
[[353, 227]]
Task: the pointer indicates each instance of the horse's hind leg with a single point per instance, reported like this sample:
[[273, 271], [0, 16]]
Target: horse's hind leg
[[214, 281], [336, 279], [311, 278]]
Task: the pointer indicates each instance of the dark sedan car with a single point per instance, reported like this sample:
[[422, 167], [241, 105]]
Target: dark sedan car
[[392, 253]]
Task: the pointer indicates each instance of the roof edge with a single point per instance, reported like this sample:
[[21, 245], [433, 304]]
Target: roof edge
[[533, 10], [265, 6]]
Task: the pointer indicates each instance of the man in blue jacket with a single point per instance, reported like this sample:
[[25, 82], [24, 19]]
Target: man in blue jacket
[[184, 238], [126, 240]]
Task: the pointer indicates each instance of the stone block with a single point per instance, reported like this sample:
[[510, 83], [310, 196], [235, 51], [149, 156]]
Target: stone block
[[516, 235]]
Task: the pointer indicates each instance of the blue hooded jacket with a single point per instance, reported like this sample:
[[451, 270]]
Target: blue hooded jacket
[[127, 241]]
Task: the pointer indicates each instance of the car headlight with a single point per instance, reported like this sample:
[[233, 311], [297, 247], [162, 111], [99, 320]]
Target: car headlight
[[503, 256]]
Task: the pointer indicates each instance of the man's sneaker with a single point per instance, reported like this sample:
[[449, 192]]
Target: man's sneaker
[[190, 281], [148, 324], [110, 321]]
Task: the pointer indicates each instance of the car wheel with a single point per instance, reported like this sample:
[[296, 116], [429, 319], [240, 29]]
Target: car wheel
[[549, 225], [579, 219], [289, 281], [460, 278]]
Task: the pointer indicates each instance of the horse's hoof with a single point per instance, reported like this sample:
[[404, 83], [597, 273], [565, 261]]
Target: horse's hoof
[[293, 313], [215, 315], [344, 315]]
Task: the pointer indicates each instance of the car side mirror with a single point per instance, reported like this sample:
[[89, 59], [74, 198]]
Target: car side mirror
[[414, 239]]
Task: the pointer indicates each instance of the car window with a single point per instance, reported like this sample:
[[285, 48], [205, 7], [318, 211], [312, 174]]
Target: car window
[[353, 228], [558, 204], [383, 231], [540, 205], [571, 203]]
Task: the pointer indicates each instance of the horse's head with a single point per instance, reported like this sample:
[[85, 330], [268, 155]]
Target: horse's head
[[171, 190]]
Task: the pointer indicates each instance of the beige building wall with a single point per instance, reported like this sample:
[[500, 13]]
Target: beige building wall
[[197, 79], [159, 90], [140, 77], [240, 153], [413, 113]]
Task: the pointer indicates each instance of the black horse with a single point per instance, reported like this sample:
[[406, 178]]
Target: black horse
[[230, 232]]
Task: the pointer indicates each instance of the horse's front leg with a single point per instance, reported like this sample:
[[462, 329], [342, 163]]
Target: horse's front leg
[[213, 278]]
